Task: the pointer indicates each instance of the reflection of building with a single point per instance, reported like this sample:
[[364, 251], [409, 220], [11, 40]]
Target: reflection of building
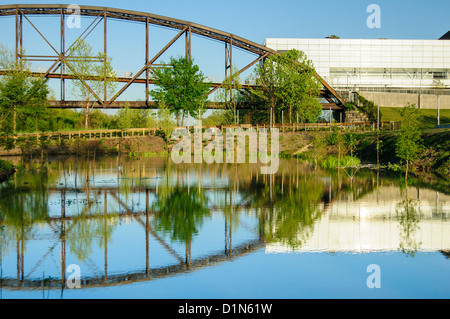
[[382, 66], [372, 223]]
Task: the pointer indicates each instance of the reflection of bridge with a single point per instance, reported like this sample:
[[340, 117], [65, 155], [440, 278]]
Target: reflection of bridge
[[62, 225], [101, 196], [63, 70]]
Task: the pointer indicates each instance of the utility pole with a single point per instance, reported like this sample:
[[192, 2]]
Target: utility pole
[[438, 115]]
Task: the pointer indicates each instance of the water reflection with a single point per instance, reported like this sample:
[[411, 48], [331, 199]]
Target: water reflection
[[152, 219]]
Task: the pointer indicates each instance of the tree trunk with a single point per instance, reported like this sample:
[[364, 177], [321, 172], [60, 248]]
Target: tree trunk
[[14, 120], [290, 114], [406, 173], [86, 118]]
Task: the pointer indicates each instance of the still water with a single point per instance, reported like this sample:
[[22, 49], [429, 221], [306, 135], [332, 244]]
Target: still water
[[149, 228]]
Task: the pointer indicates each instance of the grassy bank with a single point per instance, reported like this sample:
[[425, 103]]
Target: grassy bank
[[325, 148], [427, 118], [434, 155]]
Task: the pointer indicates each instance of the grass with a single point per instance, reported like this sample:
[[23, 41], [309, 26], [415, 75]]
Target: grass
[[346, 161], [427, 119]]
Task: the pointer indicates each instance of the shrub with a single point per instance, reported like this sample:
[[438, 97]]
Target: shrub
[[369, 108], [6, 166]]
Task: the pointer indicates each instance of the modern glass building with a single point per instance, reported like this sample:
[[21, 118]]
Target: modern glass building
[[382, 65]]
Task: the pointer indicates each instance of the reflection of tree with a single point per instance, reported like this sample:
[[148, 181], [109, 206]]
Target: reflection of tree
[[289, 215], [181, 213], [84, 229], [22, 205], [409, 214]]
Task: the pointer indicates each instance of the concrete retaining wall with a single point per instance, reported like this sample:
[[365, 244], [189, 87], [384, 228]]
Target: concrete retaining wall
[[427, 101]]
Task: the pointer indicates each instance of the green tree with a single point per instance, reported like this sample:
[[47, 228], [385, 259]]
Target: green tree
[[408, 143], [267, 78], [300, 88], [181, 86], [140, 118], [23, 100], [288, 82], [93, 74], [165, 120], [124, 117], [99, 120], [317, 151]]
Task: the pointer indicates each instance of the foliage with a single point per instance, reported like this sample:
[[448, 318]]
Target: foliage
[[350, 142], [219, 117], [349, 106], [164, 120], [93, 75], [300, 88], [334, 137], [369, 108], [62, 120], [409, 214], [5, 166], [22, 100], [291, 220], [408, 143], [181, 213], [267, 78], [345, 161], [181, 86], [289, 83], [317, 150]]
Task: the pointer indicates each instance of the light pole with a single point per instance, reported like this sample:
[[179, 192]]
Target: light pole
[[330, 118], [438, 117], [378, 137], [378, 118]]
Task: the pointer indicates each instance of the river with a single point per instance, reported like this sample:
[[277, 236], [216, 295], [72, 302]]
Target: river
[[120, 227]]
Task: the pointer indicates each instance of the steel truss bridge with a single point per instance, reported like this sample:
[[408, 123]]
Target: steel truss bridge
[[63, 70]]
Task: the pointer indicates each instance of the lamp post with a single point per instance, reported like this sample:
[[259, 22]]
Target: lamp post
[[438, 117], [378, 118], [330, 118], [378, 136]]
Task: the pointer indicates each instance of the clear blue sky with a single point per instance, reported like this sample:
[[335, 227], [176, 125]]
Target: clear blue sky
[[250, 19], [256, 20]]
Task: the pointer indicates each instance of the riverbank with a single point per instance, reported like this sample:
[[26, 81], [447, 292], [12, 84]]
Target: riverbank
[[91, 147], [434, 157], [312, 146], [433, 164]]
